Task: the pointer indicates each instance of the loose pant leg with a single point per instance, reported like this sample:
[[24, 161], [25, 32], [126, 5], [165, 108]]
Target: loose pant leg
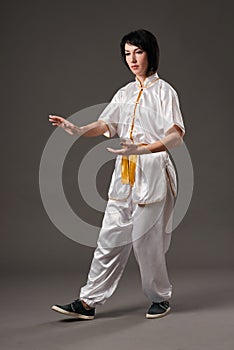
[[125, 225], [110, 257], [150, 243]]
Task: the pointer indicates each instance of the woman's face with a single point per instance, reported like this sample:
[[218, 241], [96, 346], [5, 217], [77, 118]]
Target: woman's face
[[136, 59]]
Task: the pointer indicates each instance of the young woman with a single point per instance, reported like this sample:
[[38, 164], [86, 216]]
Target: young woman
[[146, 115]]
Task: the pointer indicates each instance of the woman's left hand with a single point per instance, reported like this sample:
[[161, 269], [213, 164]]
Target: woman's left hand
[[129, 148]]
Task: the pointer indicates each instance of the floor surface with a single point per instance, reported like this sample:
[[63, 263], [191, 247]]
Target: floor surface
[[202, 315]]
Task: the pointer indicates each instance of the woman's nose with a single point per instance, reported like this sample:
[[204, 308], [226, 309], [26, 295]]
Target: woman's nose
[[133, 59]]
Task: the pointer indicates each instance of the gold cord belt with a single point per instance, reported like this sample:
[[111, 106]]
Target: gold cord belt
[[128, 167], [128, 164]]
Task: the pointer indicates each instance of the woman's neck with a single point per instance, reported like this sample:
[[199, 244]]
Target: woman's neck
[[142, 78]]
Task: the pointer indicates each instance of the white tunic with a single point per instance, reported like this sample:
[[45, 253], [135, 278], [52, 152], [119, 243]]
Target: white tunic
[[156, 111]]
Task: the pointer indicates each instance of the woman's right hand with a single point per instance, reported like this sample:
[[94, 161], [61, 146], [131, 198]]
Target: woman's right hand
[[63, 123]]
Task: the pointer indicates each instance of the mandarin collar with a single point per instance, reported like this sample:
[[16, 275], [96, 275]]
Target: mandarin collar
[[148, 81]]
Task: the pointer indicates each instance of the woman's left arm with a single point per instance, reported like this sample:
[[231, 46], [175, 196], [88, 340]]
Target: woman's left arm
[[173, 138]]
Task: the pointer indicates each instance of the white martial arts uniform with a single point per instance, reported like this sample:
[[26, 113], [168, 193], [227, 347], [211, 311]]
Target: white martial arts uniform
[[137, 213]]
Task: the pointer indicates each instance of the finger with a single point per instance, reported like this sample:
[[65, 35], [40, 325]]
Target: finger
[[128, 144], [124, 145], [55, 117], [128, 147], [112, 150], [116, 151], [125, 141]]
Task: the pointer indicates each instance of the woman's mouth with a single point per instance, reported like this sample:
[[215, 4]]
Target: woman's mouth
[[135, 67]]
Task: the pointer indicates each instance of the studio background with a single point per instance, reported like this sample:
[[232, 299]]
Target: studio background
[[59, 57]]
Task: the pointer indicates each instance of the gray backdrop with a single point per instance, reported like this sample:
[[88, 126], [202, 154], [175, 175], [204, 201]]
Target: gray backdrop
[[58, 57]]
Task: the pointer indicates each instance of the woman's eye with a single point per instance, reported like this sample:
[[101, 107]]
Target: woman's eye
[[140, 51], [127, 53]]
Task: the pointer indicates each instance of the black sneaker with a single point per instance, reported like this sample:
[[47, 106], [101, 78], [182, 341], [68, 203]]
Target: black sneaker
[[75, 309], [157, 310]]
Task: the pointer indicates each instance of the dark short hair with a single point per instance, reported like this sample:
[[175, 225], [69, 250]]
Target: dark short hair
[[146, 41]]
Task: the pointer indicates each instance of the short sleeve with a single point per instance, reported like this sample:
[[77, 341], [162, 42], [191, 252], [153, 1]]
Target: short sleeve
[[110, 115], [171, 109]]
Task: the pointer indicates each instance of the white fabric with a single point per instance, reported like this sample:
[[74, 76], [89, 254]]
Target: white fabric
[[126, 224], [137, 227], [157, 111]]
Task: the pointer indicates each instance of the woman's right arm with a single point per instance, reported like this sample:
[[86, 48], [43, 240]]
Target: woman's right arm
[[96, 128]]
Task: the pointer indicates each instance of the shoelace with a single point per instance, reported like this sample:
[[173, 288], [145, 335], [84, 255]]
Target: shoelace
[[164, 304], [77, 302], [74, 304]]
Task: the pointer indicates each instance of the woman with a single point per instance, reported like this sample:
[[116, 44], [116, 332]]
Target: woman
[[146, 115]]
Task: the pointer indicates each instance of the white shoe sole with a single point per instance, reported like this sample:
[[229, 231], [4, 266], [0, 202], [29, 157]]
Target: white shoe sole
[[73, 314], [158, 315]]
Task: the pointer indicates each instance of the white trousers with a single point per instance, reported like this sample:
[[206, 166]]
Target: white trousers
[[125, 226]]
